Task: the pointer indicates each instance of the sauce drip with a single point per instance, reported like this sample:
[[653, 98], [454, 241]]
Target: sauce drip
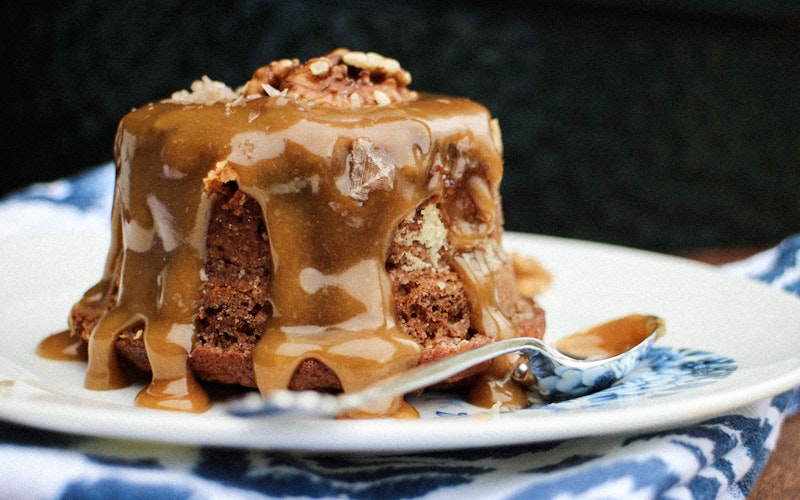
[[606, 340], [496, 388], [398, 408], [333, 185], [62, 347]]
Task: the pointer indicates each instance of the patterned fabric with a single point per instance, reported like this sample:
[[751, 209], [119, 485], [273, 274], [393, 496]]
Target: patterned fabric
[[719, 458]]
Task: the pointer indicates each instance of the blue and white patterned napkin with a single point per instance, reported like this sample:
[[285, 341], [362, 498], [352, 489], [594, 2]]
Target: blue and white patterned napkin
[[720, 458]]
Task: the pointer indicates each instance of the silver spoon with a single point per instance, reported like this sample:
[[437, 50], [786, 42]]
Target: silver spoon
[[552, 373]]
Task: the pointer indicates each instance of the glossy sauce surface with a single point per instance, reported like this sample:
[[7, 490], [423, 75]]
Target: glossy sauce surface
[[333, 185], [496, 389], [609, 339], [62, 346], [606, 340]]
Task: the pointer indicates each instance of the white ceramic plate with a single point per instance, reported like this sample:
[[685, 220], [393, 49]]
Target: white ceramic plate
[[730, 342]]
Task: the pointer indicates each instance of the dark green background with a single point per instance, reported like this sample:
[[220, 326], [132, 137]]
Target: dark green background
[[655, 124]]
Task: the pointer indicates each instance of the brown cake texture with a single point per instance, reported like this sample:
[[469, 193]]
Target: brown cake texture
[[318, 228]]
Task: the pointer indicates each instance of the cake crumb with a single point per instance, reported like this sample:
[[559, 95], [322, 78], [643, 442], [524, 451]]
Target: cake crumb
[[429, 231], [221, 174]]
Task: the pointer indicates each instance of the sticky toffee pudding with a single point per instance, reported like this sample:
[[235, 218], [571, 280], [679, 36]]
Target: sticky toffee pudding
[[320, 227]]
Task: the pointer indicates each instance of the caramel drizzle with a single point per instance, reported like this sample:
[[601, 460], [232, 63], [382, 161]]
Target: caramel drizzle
[[331, 294], [329, 232], [160, 223]]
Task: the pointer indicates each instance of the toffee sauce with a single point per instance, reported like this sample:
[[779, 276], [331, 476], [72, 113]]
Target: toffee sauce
[[329, 227], [62, 346], [497, 388], [610, 338]]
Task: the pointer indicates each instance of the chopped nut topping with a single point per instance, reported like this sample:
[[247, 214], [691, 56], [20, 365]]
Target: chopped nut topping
[[270, 75], [320, 67], [370, 169], [497, 137], [204, 91], [342, 79], [381, 99], [371, 61]]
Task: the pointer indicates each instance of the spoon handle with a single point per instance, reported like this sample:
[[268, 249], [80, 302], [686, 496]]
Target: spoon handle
[[556, 376], [312, 403]]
